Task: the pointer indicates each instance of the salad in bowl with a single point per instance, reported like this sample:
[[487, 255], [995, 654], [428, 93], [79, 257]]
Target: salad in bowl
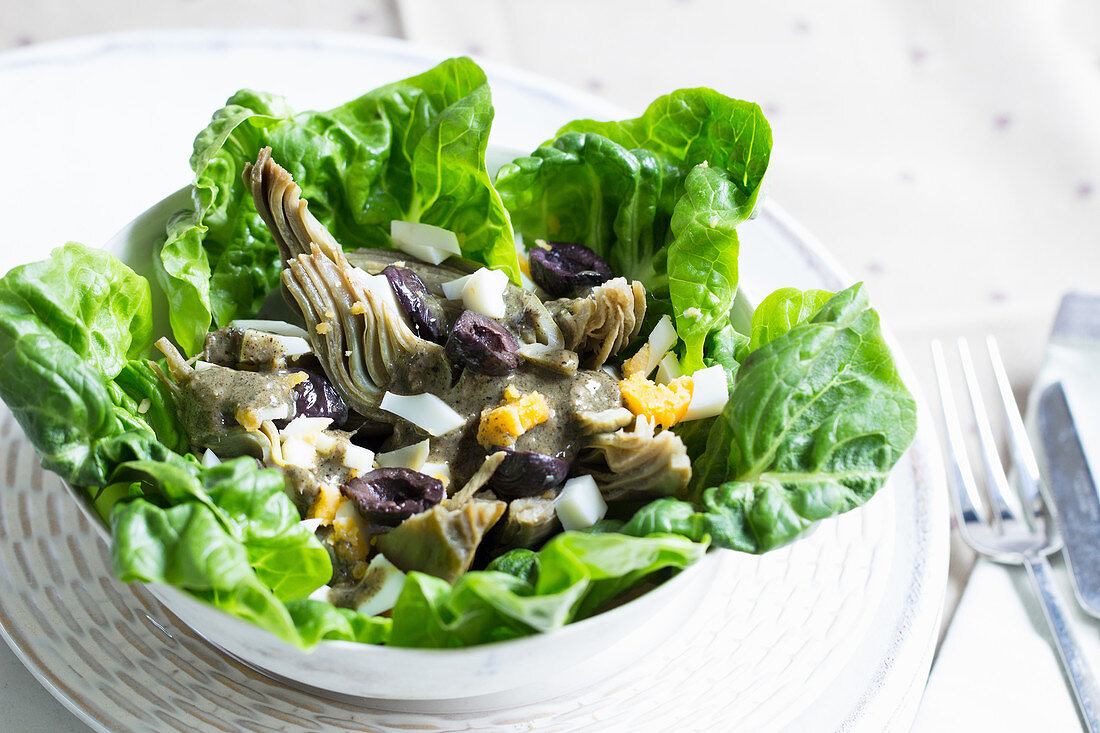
[[403, 400]]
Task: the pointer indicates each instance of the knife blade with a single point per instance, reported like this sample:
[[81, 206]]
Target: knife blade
[[1073, 490]]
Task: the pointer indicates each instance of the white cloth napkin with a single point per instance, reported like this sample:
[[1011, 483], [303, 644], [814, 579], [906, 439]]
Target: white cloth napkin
[[997, 669]]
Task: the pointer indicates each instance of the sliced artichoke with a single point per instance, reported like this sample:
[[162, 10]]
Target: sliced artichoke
[[600, 324], [440, 541], [216, 404], [529, 521], [356, 327], [638, 463]]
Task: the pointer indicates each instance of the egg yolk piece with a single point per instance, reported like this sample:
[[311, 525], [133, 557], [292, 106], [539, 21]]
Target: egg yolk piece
[[663, 404], [501, 426]]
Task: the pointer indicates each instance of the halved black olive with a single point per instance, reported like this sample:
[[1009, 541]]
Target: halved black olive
[[316, 397], [523, 473], [483, 345], [424, 311], [389, 496], [560, 268]]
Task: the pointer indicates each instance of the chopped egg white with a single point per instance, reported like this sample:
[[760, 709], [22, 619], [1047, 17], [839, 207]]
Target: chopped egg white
[[411, 456], [321, 594], [292, 345], [210, 459], [324, 443], [452, 289], [484, 292], [273, 412], [310, 524], [429, 243], [279, 328], [580, 503], [709, 393], [201, 366], [426, 411], [669, 369], [306, 428], [661, 339], [379, 286], [358, 458], [437, 470], [387, 581], [297, 452]]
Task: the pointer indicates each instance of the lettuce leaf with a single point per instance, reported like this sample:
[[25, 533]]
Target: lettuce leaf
[[702, 259], [778, 458], [658, 197], [693, 126], [593, 191], [68, 325], [577, 574], [781, 311], [413, 150], [231, 537]]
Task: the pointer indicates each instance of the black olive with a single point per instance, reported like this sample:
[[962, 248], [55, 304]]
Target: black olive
[[562, 267], [424, 311], [523, 473], [483, 345], [389, 496], [316, 397]]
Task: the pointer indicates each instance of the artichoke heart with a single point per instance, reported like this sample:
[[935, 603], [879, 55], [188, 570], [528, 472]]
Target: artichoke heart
[[600, 324], [440, 541], [356, 327], [638, 463]]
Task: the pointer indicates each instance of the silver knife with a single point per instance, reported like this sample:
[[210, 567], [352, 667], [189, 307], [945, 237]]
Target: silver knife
[[1076, 501]]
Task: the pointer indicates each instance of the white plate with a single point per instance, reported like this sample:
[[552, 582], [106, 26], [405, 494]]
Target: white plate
[[833, 633]]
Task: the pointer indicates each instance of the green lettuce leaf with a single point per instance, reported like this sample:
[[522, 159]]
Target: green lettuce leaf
[[779, 458], [658, 197], [68, 325], [783, 310], [590, 190], [317, 620], [232, 538], [693, 126], [413, 150], [578, 574], [702, 259]]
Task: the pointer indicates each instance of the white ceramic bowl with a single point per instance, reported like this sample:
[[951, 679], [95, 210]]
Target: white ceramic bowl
[[545, 661]]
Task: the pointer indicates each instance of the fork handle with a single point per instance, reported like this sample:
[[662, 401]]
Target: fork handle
[[1073, 662]]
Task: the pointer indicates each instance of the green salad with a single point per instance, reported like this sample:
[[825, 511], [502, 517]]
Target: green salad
[[416, 402]]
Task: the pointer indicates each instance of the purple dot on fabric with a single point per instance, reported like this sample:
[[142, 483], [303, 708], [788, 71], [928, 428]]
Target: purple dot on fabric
[[23, 40], [593, 85], [918, 55], [875, 268], [998, 296], [906, 177], [771, 109], [475, 49], [363, 18], [1002, 122], [1084, 190], [802, 25]]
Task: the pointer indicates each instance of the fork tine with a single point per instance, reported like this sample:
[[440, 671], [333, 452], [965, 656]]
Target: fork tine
[[1023, 457], [966, 499], [996, 481]]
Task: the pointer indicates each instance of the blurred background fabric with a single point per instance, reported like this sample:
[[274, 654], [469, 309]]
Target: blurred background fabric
[[946, 153]]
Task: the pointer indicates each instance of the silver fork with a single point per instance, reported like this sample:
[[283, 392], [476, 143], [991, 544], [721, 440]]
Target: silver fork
[[1006, 537]]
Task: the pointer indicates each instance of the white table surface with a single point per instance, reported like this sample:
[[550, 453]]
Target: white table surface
[[946, 155]]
